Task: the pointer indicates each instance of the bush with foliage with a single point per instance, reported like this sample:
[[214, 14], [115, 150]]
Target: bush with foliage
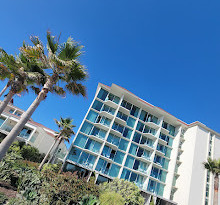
[[128, 190], [52, 167], [3, 198], [89, 200], [111, 198], [66, 188]]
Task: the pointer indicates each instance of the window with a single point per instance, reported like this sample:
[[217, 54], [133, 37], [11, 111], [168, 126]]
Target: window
[[113, 139], [108, 109], [134, 111], [98, 132], [131, 122], [155, 187], [119, 157], [80, 140], [2, 119], [93, 146], [129, 162], [102, 94], [18, 113], [123, 144], [113, 98], [126, 105], [143, 115], [25, 133], [122, 116], [118, 127], [136, 137], [86, 128], [92, 116], [133, 149], [11, 110], [127, 133], [97, 105]]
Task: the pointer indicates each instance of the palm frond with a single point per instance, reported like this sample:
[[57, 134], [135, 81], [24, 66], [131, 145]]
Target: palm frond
[[52, 43], [76, 89]]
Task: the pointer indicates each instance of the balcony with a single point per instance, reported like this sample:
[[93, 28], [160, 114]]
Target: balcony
[[146, 146], [124, 110], [111, 103], [120, 121], [101, 126], [165, 131], [149, 135], [106, 114], [152, 124]]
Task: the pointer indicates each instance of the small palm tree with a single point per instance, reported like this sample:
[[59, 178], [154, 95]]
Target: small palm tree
[[213, 166], [64, 73], [66, 131], [21, 74]]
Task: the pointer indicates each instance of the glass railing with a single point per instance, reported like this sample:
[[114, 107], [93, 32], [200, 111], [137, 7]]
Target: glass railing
[[7, 128]]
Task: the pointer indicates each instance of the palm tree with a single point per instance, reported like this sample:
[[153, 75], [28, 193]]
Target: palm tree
[[21, 74], [213, 166], [66, 131], [64, 73]]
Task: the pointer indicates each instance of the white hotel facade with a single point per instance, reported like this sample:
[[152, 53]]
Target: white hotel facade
[[123, 136]]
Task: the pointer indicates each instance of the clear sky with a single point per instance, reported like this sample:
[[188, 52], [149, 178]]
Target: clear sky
[[164, 51]]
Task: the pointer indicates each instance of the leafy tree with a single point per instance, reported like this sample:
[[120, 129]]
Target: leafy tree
[[64, 73], [89, 200], [21, 74], [3, 198], [128, 190], [66, 130], [213, 166], [111, 198]]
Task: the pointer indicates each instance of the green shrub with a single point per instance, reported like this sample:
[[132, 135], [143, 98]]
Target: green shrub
[[52, 167], [128, 190], [3, 198], [111, 198], [89, 200]]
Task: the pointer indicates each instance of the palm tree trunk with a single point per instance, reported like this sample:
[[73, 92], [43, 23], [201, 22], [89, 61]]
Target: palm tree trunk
[[45, 158], [216, 185], [55, 151], [5, 102], [6, 143], [3, 90]]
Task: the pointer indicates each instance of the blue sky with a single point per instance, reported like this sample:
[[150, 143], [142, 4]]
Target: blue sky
[[166, 52]]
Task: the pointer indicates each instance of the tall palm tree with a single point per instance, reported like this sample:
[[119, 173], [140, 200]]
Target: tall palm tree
[[213, 166], [64, 73], [21, 74], [66, 131]]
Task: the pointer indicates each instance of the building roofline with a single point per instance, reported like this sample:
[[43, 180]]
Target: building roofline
[[196, 123]]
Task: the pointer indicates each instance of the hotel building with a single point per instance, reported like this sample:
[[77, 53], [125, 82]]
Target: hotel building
[[34, 134], [126, 137]]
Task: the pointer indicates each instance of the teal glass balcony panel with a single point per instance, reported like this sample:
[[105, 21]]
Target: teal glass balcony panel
[[113, 139], [164, 149], [93, 146], [97, 105], [127, 133], [168, 139], [122, 116], [155, 187], [136, 137], [98, 132], [118, 127], [86, 128], [119, 157], [126, 105], [146, 141], [149, 130], [133, 149], [133, 177], [140, 126], [102, 94], [92, 116], [129, 162], [158, 174], [134, 111], [108, 109], [80, 140], [123, 144], [131, 122], [113, 98], [114, 170]]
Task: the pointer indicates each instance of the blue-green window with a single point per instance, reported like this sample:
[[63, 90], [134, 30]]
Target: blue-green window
[[93, 145], [74, 154], [147, 141], [123, 144], [131, 122], [86, 128], [113, 139], [155, 187], [97, 105], [118, 127], [114, 170], [122, 116], [133, 149], [172, 130], [102, 94], [119, 157], [127, 133], [129, 162], [126, 174], [140, 126], [113, 98], [98, 132], [104, 120], [134, 111], [149, 130], [80, 140], [106, 151], [143, 115], [126, 105], [136, 137], [1, 120], [92, 116], [108, 109]]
